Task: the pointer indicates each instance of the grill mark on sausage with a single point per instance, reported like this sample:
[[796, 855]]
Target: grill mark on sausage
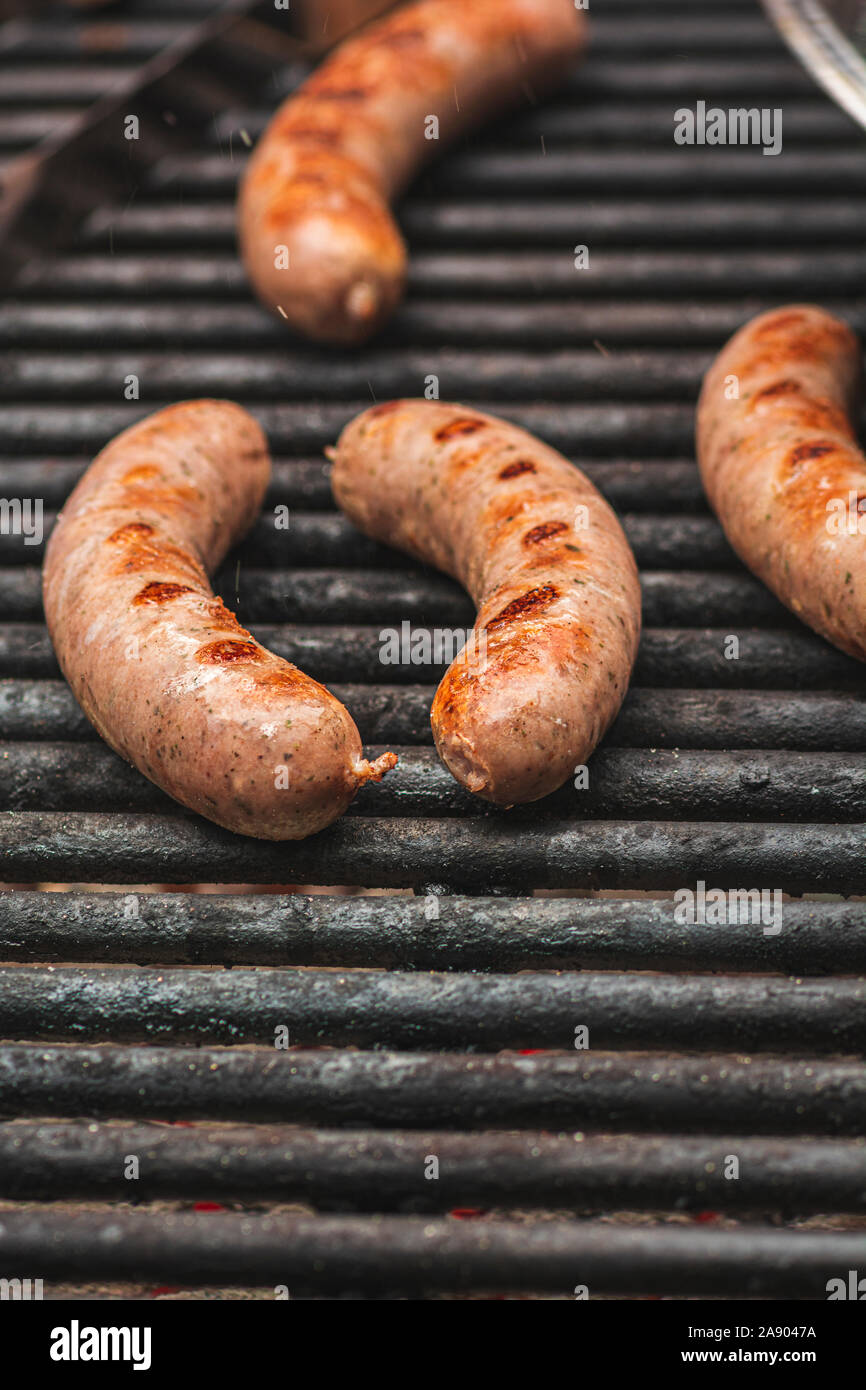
[[146, 494], [815, 415], [514, 470], [804, 453], [385, 408], [402, 38], [132, 531], [223, 617], [342, 93], [786, 320], [528, 605], [805, 339], [787, 387], [141, 474], [143, 553], [274, 678], [800, 458], [316, 134], [465, 458], [544, 532], [224, 653], [464, 424], [806, 510], [158, 591]]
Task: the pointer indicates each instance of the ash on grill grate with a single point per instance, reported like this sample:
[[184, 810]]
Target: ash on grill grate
[[745, 772]]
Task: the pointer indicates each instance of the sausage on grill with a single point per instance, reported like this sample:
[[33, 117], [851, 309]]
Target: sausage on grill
[[780, 464], [162, 669], [316, 232], [544, 558]]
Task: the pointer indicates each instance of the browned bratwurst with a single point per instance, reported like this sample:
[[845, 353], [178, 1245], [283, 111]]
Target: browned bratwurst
[[162, 669], [780, 463], [319, 183], [546, 562]]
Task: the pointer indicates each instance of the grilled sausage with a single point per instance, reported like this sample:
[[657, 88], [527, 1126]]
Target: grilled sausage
[[781, 467], [546, 562], [319, 183], [162, 669]]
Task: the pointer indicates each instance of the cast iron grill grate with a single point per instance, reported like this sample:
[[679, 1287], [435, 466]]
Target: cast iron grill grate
[[442, 1023]]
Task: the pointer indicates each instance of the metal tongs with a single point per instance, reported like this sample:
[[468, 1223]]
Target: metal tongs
[[47, 192], [829, 38]]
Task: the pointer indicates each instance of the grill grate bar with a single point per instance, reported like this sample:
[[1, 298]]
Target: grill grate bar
[[604, 427], [460, 273], [392, 714], [535, 172], [679, 658], [328, 539], [30, 84], [563, 375], [144, 36], [408, 1090], [421, 1254], [625, 784], [453, 933], [83, 846], [456, 273], [394, 596], [444, 322], [640, 123], [366, 1008], [304, 483], [720, 80], [202, 225], [385, 1170]]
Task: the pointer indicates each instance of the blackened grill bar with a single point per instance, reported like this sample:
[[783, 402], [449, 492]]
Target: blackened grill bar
[[742, 773], [675, 784], [463, 273], [605, 427], [455, 933], [477, 854], [721, 220], [488, 1012], [423, 1255], [632, 486], [673, 658], [618, 1091], [451, 319], [33, 710], [319, 538], [391, 596], [363, 1170], [588, 126], [589, 172]]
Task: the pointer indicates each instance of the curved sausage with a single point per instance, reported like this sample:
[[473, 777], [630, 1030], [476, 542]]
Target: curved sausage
[[545, 560], [337, 151], [162, 669], [780, 464]]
